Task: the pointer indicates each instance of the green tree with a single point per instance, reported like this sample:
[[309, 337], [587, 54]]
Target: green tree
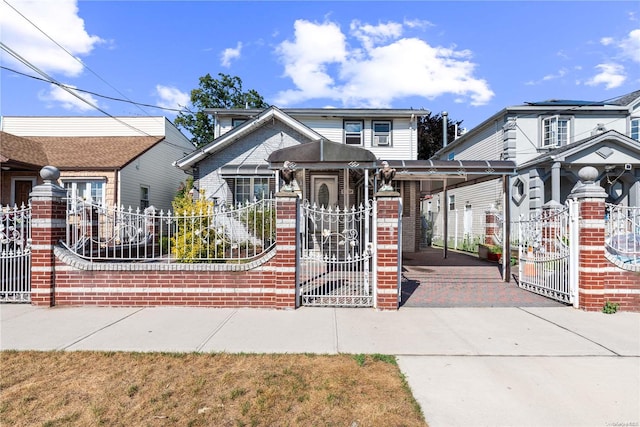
[[224, 92], [430, 137]]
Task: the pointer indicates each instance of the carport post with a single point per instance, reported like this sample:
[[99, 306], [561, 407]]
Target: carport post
[[445, 245], [506, 230]]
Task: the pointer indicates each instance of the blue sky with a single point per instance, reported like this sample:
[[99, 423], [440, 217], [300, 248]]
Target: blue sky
[[468, 58]]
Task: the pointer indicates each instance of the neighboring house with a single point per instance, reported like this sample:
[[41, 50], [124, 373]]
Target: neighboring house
[[113, 160], [234, 167], [549, 142]]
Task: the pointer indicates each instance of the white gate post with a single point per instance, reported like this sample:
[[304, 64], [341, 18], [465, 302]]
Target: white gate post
[[574, 250]]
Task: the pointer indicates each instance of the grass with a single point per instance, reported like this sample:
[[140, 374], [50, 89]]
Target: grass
[[200, 389]]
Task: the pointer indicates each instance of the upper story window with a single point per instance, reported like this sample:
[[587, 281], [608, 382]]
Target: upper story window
[[237, 122], [381, 133], [353, 132], [635, 129], [555, 131], [451, 156]]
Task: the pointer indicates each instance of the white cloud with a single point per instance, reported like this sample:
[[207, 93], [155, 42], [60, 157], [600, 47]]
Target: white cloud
[[171, 97], [630, 46], [59, 20], [230, 54], [59, 97], [381, 68], [611, 75], [606, 41]]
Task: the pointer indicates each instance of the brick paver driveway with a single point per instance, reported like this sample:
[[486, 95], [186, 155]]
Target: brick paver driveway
[[461, 280]]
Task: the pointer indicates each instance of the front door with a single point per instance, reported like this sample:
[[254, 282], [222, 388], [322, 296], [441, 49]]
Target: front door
[[22, 188], [324, 191]]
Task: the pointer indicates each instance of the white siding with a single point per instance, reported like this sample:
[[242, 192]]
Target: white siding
[[84, 126]]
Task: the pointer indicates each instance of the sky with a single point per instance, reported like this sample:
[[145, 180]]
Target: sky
[[469, 58]]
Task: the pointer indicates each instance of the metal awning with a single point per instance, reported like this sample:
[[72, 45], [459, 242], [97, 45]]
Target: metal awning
[[450, 174], [323, 154]]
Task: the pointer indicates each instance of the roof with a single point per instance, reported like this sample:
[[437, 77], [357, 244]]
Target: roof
[[560, 153], [450, 174], [265, 116], [21, 151], [87, 152], [322, 112], [323, 154]]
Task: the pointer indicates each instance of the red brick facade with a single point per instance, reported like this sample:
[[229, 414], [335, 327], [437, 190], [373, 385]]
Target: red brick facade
[[387, 232]]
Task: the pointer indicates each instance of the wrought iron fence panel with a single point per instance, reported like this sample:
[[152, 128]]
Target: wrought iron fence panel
[[622, 233], [15, 254], [335, 256], [544, 254], [210, 234]]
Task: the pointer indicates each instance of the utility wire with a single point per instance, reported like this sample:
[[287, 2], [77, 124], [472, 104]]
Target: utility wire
[[71, 55], [179, 110]]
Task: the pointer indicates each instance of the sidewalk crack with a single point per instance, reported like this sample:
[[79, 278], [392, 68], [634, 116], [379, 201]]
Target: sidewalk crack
[[215, 331]]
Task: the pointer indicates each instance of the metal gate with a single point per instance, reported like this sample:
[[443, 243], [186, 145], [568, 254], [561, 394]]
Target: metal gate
[[15, 254], [335, 260], [547, 252]]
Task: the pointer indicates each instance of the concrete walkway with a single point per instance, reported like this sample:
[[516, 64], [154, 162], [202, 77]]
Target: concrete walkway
[[507, 366]]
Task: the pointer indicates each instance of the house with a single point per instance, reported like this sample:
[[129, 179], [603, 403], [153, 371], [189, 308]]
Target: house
[[124, 161], [549, 142], [334, 152]]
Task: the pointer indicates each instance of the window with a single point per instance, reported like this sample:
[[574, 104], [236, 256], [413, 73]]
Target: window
[[555, 131], [518, 191], [90, 191], [237, 122], [144, 197], [452, 202], [251, 189], [635, 129], [353, 132], [451, 156], [381, 133]]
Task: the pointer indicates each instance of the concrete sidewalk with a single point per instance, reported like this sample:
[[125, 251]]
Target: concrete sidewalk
[[533, 366]]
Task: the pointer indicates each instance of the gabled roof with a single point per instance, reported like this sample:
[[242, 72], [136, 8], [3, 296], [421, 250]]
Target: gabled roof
[[560, 154], [86, 152], [243, 130]]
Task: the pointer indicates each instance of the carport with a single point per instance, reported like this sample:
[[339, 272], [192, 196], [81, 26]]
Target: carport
[[440, 176]]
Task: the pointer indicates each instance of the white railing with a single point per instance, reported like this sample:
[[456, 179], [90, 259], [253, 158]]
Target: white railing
[[15, 254], [210, 234], [622, 233]]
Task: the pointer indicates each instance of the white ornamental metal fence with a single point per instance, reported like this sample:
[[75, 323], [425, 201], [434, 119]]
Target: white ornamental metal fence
[[335, 267], [622, 234], [547, 253], [207, 233], [15, 254]]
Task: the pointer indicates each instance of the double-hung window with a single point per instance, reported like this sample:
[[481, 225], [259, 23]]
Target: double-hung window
[[89, 191], [353, 132], [250, 189], [635, 129], [555, 131], [144, 197], [381, 133]]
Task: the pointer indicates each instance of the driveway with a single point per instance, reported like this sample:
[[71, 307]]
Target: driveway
[[461, 280]]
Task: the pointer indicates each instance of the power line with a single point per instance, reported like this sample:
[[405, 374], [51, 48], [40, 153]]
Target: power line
[[71, 55], [128, 101]]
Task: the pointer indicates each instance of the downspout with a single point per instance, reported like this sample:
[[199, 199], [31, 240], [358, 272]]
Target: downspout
[[116, 184], [445, 125]]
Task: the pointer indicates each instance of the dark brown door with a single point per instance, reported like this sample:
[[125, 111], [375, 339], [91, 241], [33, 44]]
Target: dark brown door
[[22, 190]]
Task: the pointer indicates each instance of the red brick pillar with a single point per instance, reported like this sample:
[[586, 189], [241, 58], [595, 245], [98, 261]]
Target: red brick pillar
[[287, 206], [491, 227], [48, 225], [591, 261], [388, 254]]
